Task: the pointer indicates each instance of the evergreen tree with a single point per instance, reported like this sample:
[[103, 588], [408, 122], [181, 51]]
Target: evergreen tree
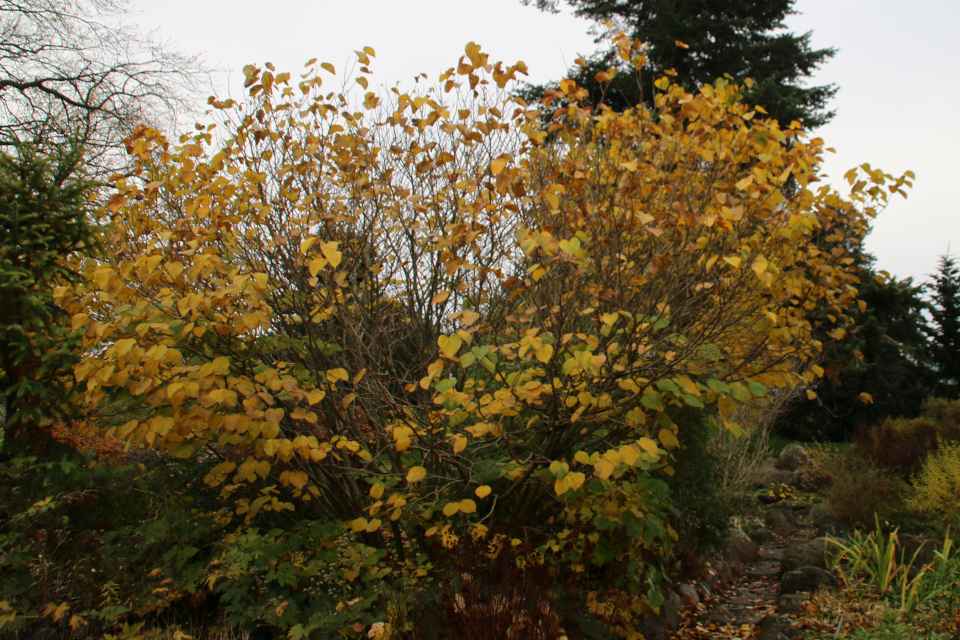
[[702, 40], [43, 222], [945, 332], [882, 352]]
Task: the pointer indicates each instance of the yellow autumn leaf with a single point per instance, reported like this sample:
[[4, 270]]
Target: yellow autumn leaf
[[440, 297], [376, 491], [482, 491], [251, 320], [337, 375], [648, 445], [575, 480], [668, 438], [544, 353], [468, 318], [316, 265], [331, 253], [451, 508], [416, 474], [468, 506], [552, 198], [449, 345], [603, 468], [358, 525], [760, 265], [497, 166], [459, 444], [629, 454], [122, 347], [298, 479]]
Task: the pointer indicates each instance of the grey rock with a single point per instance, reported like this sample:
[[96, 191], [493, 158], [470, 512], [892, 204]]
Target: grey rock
[[792, 457], [651, 629], [808, 554], [819, 514], [763, 536], [777, 628], [780, 520], [806, 579], [783, 632], [771, 555], [725, 571], [766, 476], [769, 621], [711, 578], [791, 603], [750, 617], [669, 616], [919, 550], [766, 571], [833, 530], [705, 588], [687, 593], [744, 549], [719, 617]]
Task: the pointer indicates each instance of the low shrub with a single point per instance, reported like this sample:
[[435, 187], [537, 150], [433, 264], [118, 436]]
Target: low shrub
[[902, 445], [860, 491], [937, 485]]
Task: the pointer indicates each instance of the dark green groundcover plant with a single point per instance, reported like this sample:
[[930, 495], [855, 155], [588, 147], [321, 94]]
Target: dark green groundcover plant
[[43, 226]]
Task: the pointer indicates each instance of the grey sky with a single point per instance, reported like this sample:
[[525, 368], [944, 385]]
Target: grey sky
[[897, 68]]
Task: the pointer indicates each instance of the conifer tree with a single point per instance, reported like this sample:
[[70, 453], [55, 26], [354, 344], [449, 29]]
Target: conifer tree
[[945, 332], [43, 222], [702, 40], [882, 352]]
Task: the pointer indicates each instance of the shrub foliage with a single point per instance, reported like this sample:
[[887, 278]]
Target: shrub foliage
[[421, 317]]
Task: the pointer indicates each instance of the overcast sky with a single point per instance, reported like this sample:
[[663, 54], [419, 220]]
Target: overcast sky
[[898, 69]]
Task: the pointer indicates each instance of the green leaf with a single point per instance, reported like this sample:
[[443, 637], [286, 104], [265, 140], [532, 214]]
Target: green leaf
[[757, 389], [692, 400], [718, 386]]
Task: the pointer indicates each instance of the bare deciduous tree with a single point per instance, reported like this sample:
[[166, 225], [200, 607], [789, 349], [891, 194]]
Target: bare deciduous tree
[[80, 72]]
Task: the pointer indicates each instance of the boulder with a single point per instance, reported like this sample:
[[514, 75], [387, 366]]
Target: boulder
[[726, 571], [669, 616], [767, 476], [806, 579], [791, 603], [763, 536], [807, 554], [818, 513], [833, 530], [739, 549], [780, 520], [920, 548], [687, 593], [651, 629], [777, 628], [792, 457]]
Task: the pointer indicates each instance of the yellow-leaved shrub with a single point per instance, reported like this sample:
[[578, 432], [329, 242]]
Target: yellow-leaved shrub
[[937, 486], [430, 312]]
